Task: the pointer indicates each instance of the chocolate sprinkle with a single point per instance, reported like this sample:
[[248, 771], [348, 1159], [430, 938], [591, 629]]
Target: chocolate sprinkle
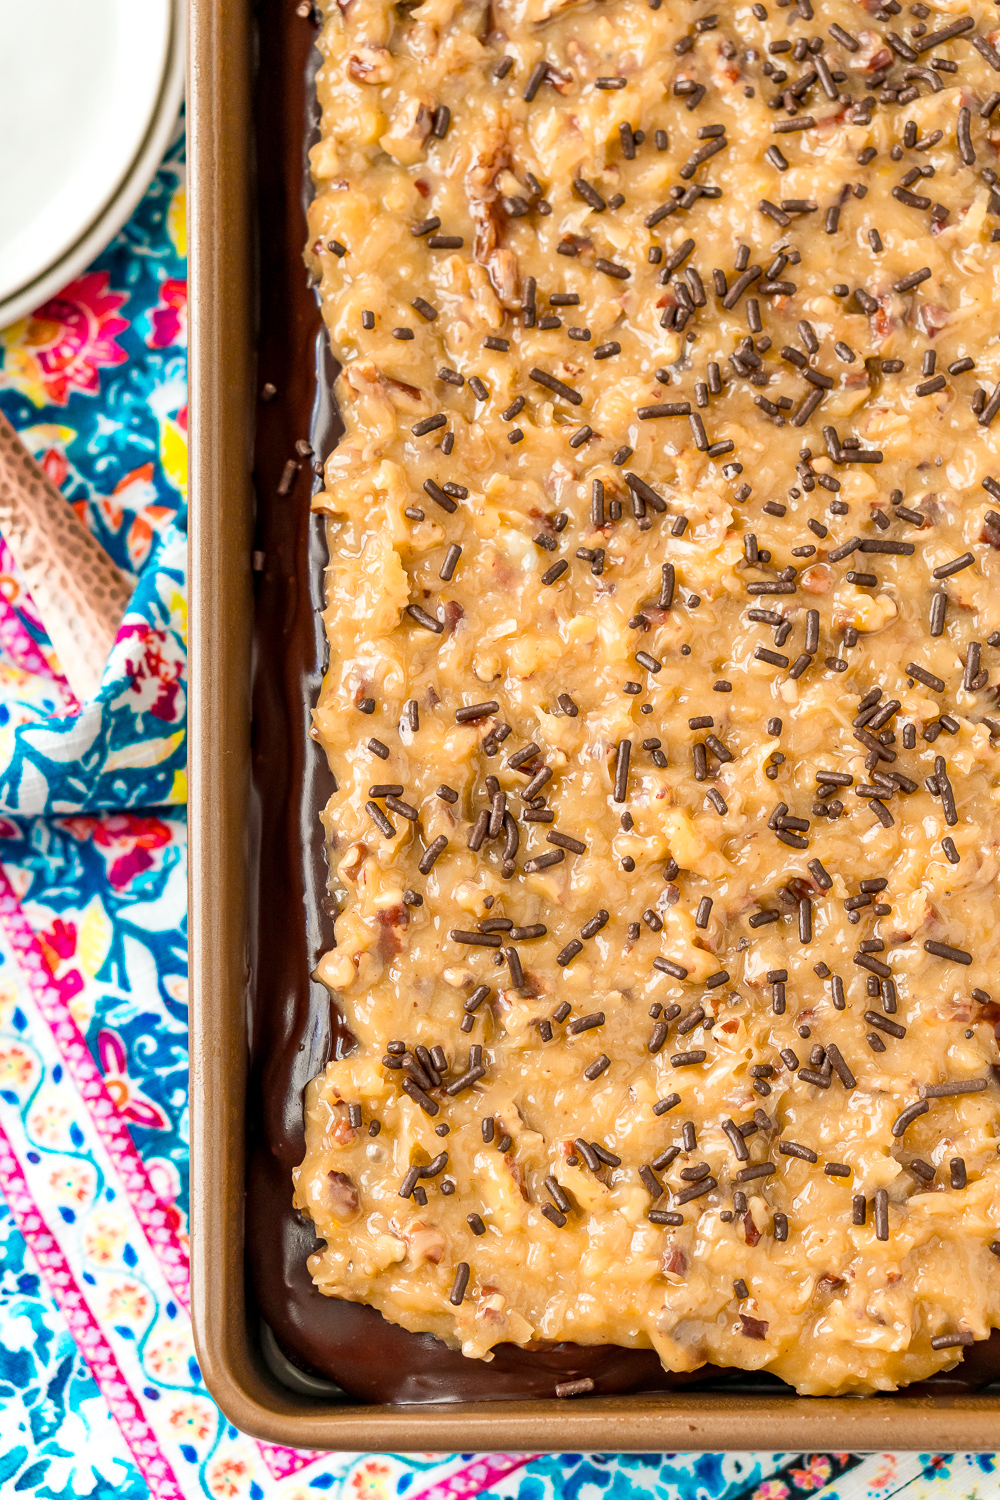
[[911, 1113], [944, 950], [541, 377]]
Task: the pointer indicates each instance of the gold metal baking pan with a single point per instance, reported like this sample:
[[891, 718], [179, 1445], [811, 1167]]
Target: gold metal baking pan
[[238, 124]]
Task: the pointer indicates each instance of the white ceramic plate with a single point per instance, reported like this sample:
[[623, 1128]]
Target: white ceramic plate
[[89, 93]]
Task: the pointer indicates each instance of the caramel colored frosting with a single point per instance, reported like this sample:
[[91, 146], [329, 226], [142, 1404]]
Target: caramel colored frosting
[[663, 618]]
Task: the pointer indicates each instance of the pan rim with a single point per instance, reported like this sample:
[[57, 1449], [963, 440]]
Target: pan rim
[[220, 54]]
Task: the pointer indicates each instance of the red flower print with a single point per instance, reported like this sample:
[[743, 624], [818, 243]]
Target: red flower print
[[140, 836], [371, 1480], [126, 841], [58, 943], [227, 1477], [56, 466], [145, 524], [128, 867], [815, 1475], [60, 348], [147, 833], [155, 669], [166, 1184], [132, 491], [168, 319], [134, 495], [69, 984], [129, 1100]]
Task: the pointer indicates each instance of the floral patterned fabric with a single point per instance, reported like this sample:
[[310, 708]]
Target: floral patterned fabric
[[95, 381], [100, 1390]]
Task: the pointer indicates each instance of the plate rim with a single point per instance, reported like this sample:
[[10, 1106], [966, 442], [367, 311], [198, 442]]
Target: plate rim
[[103, 228]]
